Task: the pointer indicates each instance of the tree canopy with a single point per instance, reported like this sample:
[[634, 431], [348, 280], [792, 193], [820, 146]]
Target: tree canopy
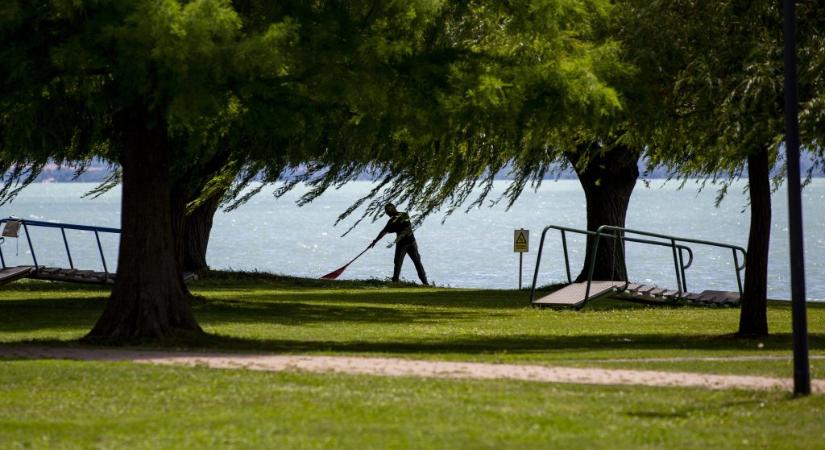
[[493, 85], [160, 87], [718, 68]]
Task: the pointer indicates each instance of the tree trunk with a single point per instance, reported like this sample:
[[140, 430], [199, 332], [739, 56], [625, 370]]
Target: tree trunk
[[196, 231], [608, 180], [753, 316], [149, 298], [195, 227]]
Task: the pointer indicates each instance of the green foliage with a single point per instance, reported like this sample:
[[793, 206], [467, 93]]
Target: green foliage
[[74, 66], [434, 94], [718, 70], [205, 74], [491, 84], [811, 72]]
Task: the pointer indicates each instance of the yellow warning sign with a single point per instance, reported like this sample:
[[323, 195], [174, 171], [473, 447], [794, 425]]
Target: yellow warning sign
[[521, 241]]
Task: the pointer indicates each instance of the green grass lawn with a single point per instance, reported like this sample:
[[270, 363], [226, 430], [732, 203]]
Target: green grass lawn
[[59, 404], [68, 404], [287, 315]]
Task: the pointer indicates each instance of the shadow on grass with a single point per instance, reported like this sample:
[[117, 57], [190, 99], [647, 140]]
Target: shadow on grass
[[384, 306], [510, 344], [72, 311], [522, 344], [444, 298], [216, 291], [700, 408], [71, 306], [38, 314], [304, 313], [81, 313]]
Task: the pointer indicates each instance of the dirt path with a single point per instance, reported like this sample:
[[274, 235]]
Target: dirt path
[[695, 359], [396, 367]]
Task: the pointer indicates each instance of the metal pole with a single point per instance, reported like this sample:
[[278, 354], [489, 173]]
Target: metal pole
[[676, 266], [100, 248], [801, 375], [66, 243], [592, 263], [538, 263], [738, 271], [566, 257], [520, 259], [31, 249]]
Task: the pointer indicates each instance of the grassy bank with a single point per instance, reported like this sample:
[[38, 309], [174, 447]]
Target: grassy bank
[[287, 315], [65, 404], [59, 404]]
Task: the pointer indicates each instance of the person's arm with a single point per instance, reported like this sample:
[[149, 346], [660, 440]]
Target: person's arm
[[381, 234]]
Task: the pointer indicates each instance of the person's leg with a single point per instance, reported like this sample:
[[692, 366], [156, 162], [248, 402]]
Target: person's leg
[[412, 250], [400, 251]]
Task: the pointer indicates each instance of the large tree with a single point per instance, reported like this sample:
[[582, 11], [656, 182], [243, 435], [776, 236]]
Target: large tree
[[150, 84], [719, 68], [608, 172], [124, 81], [159, 87]]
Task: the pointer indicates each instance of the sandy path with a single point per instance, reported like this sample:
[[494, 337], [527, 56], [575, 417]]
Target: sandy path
[[396, 367], [695, 359]]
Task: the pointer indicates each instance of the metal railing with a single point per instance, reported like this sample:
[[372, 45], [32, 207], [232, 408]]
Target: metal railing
[[679, 249], [672, 243], [62, 227]]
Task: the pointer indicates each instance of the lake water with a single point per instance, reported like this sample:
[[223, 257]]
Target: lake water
[[468, 250]]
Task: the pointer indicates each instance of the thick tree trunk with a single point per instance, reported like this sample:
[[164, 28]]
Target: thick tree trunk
[[178, 220], [149, 299], [197, 226], [608, 180], [753, 316]]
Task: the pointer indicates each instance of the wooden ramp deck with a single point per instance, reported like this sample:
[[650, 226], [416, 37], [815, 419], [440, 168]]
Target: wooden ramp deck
[[73, 275], [573, 295], [9, 274]]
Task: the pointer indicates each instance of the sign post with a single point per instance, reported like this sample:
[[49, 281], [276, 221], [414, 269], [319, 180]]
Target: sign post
[[521, 245]]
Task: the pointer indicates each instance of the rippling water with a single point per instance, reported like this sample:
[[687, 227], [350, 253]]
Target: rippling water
[[468, 250]]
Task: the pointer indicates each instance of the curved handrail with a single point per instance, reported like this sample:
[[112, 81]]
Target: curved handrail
[[68, 226], [63, 227], [690, 261], [673, 245], [564, 230]]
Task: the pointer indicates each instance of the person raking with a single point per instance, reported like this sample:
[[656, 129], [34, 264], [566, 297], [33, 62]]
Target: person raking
[[405, 244]]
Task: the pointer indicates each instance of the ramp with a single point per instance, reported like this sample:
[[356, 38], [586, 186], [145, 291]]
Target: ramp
[[8, 274], [714, 298], [573, 295], [85, 276], [11, 229], [654, 295], [73, 275]]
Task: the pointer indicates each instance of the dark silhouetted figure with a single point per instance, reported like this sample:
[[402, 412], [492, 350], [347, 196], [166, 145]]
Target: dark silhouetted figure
[[405, 244]]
